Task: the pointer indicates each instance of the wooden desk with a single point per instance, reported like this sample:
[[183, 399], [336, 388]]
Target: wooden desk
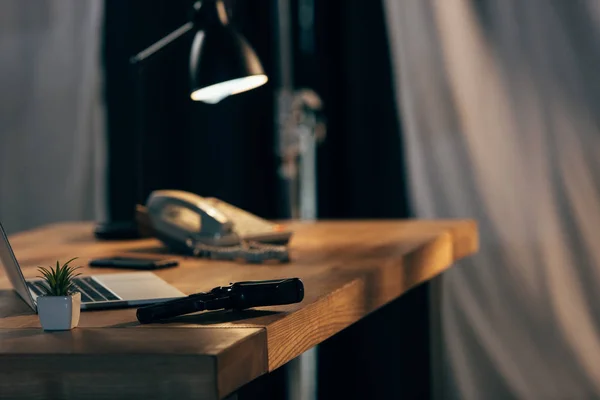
[[349, 269]]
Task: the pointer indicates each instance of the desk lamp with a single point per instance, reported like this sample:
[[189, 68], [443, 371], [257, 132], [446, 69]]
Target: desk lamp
[[222, 63]]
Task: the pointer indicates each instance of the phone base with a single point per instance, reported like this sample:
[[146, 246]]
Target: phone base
[[117, 230]]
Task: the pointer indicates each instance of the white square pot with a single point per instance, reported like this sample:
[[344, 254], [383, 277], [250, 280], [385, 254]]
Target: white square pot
[[59, 313]]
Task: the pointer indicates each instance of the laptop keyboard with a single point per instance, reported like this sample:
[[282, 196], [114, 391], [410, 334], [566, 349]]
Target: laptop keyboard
[[91, 291]]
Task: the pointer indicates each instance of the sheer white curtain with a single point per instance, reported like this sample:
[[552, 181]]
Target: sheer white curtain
[[51, 112], [501, 111]]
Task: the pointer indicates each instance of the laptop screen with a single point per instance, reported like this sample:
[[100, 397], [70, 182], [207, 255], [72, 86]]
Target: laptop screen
[[13, 270]]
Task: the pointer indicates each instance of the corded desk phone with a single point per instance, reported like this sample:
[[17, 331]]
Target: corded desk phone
[[209, 227]]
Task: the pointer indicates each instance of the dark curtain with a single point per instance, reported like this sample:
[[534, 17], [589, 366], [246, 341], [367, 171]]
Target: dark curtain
[[361, 172], [360, 165], [228, 151]]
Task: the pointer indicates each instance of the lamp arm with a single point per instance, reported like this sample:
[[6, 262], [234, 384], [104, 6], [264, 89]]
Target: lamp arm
[[136, 63], [162, 43]]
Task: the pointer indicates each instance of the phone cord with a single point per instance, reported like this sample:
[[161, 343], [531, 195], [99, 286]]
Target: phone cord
[[253, 252]]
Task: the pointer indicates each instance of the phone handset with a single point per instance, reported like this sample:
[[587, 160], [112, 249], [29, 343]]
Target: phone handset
[[188, 223], [178, 216]]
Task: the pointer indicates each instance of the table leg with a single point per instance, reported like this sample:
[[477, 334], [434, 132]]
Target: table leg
[[302, 376]]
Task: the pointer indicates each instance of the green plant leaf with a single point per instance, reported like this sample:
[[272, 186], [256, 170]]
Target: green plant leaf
[[58, 281]]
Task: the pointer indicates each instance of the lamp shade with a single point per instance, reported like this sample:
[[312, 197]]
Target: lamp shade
[[222, 62]]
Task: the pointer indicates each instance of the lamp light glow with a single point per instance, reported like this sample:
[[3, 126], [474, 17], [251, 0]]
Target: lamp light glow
[[217, 92]]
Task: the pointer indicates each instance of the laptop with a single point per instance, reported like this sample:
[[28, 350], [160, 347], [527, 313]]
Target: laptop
[[97, 291]]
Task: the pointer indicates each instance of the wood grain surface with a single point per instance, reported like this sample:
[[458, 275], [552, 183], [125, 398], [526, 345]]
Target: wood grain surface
[[349, 269], [117, 363]]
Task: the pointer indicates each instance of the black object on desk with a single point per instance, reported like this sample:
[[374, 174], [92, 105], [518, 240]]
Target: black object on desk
[[238, 296], [133, 263], [116, 230]]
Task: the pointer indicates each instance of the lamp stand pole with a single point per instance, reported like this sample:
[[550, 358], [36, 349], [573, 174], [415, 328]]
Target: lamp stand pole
[[138, 62], [298, 130], [301, 134]]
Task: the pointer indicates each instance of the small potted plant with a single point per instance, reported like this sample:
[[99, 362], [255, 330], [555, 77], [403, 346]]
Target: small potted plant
[[59, 307]]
